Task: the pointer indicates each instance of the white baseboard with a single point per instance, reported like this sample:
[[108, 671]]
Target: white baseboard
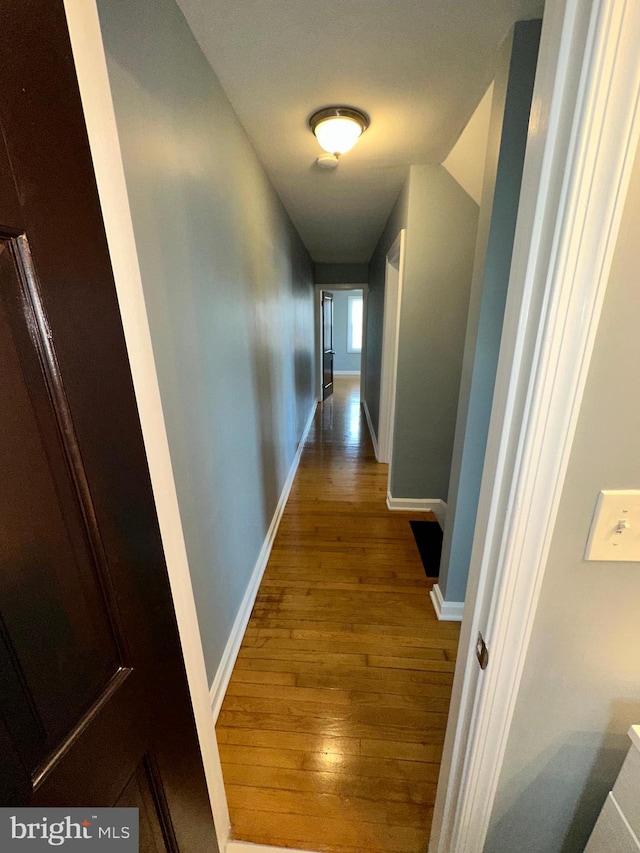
[[247, 847], [346, 373], [223, 674], [446, 611], [372, 432], [434, 505]]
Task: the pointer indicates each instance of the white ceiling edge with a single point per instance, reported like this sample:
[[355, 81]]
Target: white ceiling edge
[[465, 162]]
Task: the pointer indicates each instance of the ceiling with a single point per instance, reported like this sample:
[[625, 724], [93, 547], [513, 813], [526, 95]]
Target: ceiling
[[418, 68]]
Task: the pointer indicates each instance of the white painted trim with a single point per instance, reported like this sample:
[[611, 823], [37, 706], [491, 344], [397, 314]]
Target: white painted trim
[[363, 355], [331, 287], [346, 373], [223, 674], [95, 92], [372, 432], [434, 505], [583, 135], [446, 611], [247, 847], [390, 340]]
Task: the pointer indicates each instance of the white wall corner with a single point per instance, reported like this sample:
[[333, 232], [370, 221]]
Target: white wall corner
[[435, 505], [372, 432], [465, 162], [223, 673], [446, 611]]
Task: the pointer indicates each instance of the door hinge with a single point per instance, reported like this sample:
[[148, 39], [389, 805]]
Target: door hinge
[[482, 652]]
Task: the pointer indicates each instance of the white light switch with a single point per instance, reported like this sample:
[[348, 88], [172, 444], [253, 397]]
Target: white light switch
[[615, 529]]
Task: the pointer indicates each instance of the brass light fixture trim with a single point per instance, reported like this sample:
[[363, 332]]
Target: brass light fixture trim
[[339, 112], [337, 130]]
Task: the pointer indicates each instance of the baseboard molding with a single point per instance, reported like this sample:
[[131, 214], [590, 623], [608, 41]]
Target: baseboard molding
[[247, 847], [346, 373], [223, 674], [372, 432], [435, 505], [446, 611]]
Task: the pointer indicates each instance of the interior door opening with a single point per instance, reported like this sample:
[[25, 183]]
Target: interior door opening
[[341, 321]]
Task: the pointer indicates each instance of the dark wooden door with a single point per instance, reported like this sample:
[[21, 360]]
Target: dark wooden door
[[327, 345], [94, 705]]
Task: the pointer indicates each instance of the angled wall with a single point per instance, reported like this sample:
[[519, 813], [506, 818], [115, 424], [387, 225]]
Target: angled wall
[[229, 293], [465, 162]]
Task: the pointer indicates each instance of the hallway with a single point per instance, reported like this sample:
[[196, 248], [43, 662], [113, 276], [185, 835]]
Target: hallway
[[332, 727]]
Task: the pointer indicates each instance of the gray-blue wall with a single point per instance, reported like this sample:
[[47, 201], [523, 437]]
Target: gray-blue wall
[[441, 222], [343, 360], [500, 196], [341, 273], [229, 292]]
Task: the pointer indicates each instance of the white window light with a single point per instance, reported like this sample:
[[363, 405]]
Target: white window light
[[354, 324]]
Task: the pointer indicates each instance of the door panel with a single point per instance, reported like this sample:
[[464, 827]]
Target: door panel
[[56, 620], [94, 705], [327, 345]]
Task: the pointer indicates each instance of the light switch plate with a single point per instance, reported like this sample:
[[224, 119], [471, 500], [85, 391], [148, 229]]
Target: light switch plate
[[615, 529]]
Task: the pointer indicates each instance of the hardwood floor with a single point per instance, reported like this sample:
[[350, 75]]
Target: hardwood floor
[[332, 728]]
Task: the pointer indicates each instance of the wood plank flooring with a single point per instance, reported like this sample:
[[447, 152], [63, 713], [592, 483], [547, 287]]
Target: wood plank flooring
[[332, 727]]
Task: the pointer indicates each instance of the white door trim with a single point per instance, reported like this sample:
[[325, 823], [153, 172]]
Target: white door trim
[[583, 135], [394, 273], [95, 91], [363, 354]]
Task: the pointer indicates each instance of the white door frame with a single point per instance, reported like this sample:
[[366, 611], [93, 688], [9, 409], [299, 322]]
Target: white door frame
[[582, 140], [393, 278], [330, 288]]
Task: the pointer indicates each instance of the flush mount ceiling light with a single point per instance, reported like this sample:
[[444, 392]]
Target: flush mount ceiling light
[[337, 129]]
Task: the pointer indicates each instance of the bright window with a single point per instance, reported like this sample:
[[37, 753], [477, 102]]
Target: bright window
[[354, 327]]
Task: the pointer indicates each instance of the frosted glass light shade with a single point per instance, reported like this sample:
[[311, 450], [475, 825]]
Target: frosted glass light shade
[[337, 129], [338, 135]]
